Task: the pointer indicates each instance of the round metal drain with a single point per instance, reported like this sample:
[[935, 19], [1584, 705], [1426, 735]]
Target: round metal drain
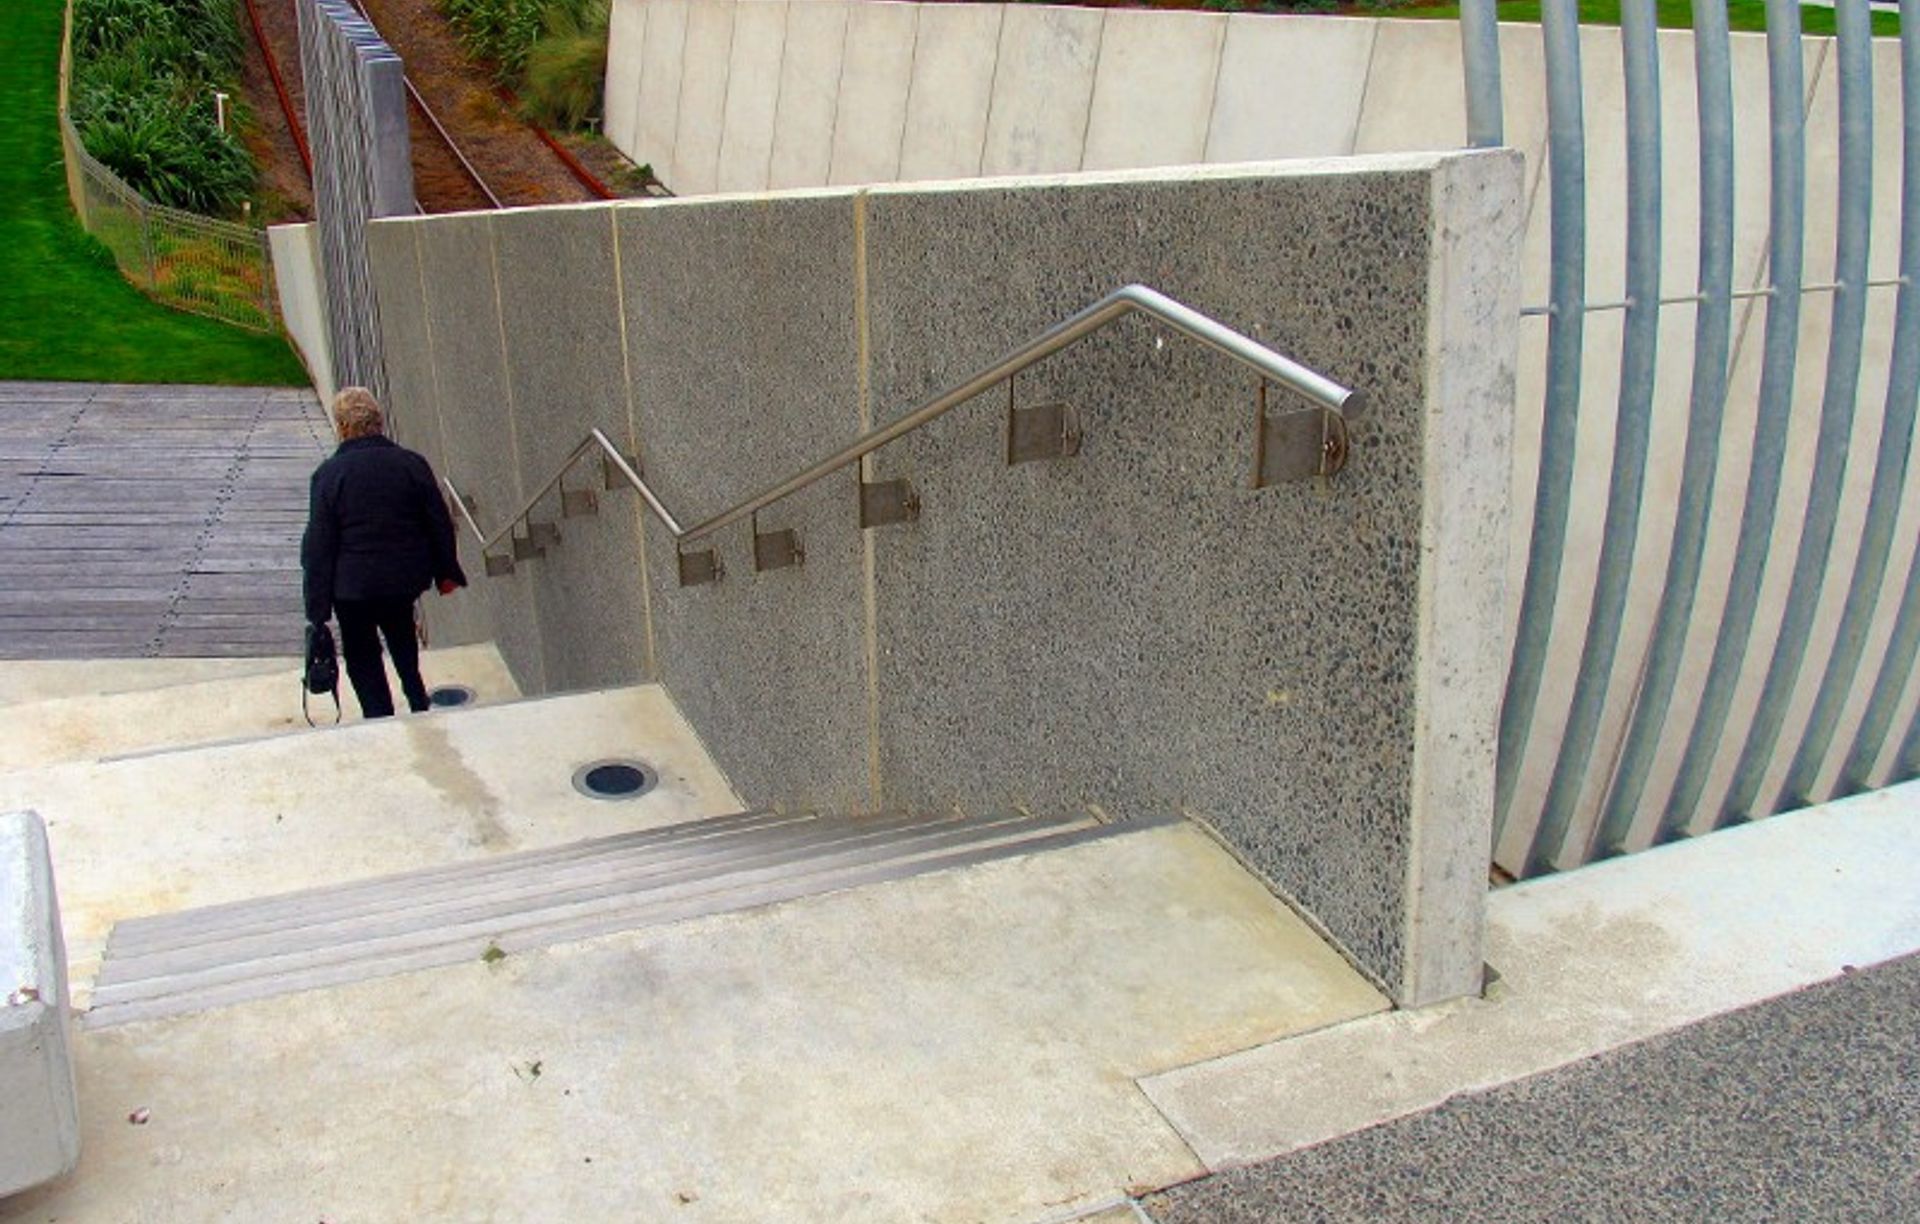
[[614, 779], [447, 696]]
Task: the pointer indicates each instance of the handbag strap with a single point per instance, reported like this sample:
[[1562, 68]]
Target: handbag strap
[[308, 714], [305, 691]]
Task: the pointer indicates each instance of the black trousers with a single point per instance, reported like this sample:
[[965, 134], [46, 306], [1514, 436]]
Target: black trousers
[[362, 624]]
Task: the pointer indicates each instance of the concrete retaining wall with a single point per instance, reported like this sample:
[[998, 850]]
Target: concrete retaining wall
[[1313, 671], [1026, 88], [40, 1119], [303, 300], [741, 95]]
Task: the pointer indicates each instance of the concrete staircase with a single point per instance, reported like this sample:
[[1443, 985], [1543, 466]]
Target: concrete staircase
[[277, 859], [188, 961], [432, 936]]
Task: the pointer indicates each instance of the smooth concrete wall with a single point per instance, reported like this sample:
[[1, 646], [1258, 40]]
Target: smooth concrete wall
[[1313, 671], [40, 1122], [740, 95], [302, 287], [1073, 88]]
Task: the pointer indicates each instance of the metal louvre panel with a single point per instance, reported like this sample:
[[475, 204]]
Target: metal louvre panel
[[1712, 352], [1903, 389], [357, 122], [1632, 424], [1849, 323], [1780, 639], [1566, 141]]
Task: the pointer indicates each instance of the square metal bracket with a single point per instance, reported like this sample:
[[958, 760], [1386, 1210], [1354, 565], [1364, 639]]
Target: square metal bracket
[[543, 535], [885, 502], [699, 568], [774, 550], [1044, 431], [1297, 446], [499, 565], [610, 475], [578, 503]]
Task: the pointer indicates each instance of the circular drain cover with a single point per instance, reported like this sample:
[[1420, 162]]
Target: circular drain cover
[[614, 779], [446, 696]]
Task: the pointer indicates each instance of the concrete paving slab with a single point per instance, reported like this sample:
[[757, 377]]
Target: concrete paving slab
[[1588, 961], [152, 834], [40, 1125], [955, 1047], [244, 706], [30, 680]]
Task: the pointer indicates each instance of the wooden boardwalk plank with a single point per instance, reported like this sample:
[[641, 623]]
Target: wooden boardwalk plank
[[153, 521]]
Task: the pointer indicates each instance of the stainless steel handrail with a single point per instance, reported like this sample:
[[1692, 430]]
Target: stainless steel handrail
[[1322, 391]]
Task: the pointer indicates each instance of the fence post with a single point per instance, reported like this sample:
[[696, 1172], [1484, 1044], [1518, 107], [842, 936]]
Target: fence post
[[266, 278], [146, 243]]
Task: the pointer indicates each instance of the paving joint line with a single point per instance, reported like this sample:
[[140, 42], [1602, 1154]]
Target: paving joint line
[[46, 461], [169, 619]]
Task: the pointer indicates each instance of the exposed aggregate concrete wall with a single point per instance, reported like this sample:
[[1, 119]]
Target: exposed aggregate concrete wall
[[1022, 89]]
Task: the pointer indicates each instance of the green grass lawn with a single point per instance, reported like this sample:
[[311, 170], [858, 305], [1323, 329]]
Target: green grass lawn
[[1674, 14], [65, 311]]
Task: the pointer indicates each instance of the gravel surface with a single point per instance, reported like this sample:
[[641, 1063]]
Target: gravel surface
[[1804, 1108]]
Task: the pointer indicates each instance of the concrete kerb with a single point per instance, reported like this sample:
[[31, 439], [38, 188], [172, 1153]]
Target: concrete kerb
[[40, 1125], [1589, 961]]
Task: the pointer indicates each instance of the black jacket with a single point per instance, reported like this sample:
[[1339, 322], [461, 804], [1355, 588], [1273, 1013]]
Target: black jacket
[[376, 528]]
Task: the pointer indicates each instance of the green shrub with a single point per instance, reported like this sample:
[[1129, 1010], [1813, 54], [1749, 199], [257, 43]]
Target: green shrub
[[172, 153], [501, 32], [553, 51], [197, 37], [145, 72], [567, 67]]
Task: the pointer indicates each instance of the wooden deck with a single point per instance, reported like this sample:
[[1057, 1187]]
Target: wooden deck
[[139, 522]]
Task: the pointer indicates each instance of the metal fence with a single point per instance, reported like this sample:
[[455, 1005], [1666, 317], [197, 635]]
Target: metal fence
[[1777, 669], [219, 269], [362, 170]]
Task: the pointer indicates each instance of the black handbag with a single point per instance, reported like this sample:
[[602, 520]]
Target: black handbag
[[322, 671]]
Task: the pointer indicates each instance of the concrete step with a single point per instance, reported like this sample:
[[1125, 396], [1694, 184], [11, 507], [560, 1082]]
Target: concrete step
[[231, 823], [202, 708], [215, 922], [487, 888], [188, 962], [26, 681]]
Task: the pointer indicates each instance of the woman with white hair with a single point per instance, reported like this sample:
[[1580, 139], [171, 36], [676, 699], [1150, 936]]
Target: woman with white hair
[[378, 535]]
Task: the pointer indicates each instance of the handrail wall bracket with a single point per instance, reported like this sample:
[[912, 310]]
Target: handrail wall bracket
[[1041, 431], [1294, 446], [884, 503], [578, 503], [610, 473], [774, 550], [701, 567], [1307, 444]]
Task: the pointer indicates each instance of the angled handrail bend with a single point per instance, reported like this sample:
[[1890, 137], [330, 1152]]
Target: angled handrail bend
[[1322, 391]]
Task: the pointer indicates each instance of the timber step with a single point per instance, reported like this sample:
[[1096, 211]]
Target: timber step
[[170, 964]]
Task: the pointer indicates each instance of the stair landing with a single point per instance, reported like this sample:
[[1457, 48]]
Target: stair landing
[[207, 707], [154, 834], [963, 1045]]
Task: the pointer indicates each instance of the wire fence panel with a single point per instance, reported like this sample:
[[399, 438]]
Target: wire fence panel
[[220, 269]]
